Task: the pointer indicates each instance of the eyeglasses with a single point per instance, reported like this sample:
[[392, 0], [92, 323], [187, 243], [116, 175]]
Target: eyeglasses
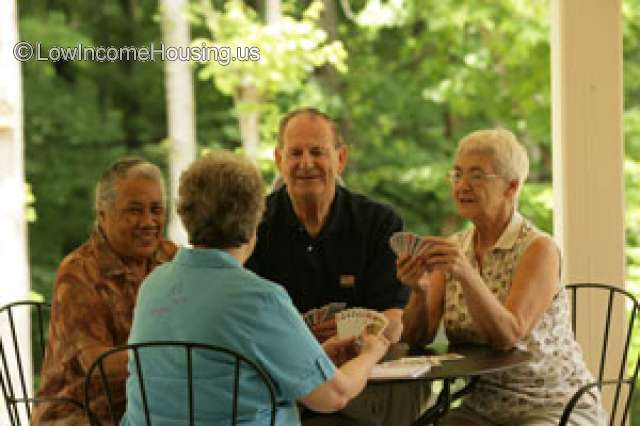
[[474, 176]]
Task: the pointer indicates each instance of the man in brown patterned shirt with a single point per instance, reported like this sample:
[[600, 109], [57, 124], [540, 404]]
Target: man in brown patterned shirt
[[96, 287]]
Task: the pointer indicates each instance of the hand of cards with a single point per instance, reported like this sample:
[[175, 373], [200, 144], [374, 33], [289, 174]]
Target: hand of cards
[[403, 243], [352, 322], [325, 313]]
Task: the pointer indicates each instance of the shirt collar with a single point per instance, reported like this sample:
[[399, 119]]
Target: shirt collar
[[110, 264], [333, 224], [206, 258], [506, 240], [510, 233]]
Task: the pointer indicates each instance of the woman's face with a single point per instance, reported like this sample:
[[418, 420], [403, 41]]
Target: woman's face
[[478, 191]]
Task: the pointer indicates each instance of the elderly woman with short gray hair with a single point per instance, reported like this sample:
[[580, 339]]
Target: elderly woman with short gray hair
[[207, 296], [497, 283]]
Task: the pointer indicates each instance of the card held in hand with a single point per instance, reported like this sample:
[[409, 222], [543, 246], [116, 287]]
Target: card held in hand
[[324, 313], [352, 322]]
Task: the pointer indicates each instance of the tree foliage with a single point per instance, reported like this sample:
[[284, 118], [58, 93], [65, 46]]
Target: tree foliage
[[288, 51]]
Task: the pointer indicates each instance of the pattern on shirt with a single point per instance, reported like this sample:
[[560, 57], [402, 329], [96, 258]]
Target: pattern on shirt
[[92, 305], [557, 368]]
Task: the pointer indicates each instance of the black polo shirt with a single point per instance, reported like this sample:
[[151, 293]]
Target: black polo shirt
[[349, 261]]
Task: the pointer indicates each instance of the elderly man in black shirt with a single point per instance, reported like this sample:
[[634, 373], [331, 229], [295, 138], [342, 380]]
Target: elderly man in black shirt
[[326, 244]]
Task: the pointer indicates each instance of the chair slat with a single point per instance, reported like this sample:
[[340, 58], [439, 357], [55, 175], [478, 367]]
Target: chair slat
[[614, 294], [190, 384], [189, 347], [14, 401]]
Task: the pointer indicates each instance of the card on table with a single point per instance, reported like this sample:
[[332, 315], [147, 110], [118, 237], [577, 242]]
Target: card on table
[[402, 368]]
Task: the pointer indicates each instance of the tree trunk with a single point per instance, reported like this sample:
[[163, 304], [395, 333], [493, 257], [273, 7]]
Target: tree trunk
[[247, 103], [272, 11], [180, 108], [247, 97], [13, 227], [327, 74]]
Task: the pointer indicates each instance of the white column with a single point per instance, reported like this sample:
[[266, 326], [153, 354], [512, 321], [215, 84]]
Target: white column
[[180, 107], [588, 154], [13, 228]]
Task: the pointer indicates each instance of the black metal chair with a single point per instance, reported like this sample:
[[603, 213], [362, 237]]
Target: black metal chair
[[615, 296], [101, 382], [16, 392]]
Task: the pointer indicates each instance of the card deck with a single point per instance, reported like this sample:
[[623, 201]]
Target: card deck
[[352, 322], [403, 243], [324, 313]]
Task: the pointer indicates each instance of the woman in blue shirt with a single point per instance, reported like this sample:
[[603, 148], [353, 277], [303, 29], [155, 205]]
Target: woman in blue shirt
[[205, 295]]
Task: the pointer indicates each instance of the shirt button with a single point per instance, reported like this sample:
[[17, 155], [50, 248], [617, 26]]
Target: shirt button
[[310, 248]]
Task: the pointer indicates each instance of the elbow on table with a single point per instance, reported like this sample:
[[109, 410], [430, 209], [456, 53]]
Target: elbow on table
[[508, 341], [504, 346]]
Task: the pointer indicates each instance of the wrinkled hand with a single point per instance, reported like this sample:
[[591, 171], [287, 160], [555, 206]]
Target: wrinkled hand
[[340, 350], [411, 270], [377, 345], [442, 254], [324, 330]]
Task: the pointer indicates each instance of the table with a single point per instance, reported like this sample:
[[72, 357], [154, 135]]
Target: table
[[476, 361]]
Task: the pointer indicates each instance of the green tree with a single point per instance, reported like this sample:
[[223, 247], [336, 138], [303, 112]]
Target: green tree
[[277, 58]]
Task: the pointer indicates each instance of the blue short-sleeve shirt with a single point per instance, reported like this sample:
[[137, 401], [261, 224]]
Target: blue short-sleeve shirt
[[206, 296]]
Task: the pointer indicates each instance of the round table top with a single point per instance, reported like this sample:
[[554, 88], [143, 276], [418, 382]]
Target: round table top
[[475, 361]]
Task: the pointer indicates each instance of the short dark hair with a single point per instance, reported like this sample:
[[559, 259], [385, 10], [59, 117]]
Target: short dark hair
[[314, 112]]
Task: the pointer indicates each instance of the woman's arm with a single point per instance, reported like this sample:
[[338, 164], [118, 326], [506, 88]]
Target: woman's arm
[[350, 378], [532, 290], [423, 313], [424, 310], [393, 332]]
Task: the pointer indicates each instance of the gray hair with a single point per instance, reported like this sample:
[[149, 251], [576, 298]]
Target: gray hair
[[509, 157], [122, 169], [221, 200]]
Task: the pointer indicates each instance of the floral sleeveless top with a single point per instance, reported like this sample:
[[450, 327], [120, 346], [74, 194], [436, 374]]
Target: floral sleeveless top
[[557, 368]]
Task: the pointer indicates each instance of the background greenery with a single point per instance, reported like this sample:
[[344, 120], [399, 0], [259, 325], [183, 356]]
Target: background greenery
[[416, 78]]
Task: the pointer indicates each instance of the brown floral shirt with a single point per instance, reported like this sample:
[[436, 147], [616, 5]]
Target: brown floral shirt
[[92, 307]]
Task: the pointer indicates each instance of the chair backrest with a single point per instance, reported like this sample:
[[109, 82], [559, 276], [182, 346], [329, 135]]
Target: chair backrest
[[14, 375], [97, 379], [616, 297]]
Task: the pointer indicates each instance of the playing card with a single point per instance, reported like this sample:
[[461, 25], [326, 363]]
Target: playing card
[[415, 242], [309, 317], [449, 357], [404, 243], [324, 313], [422, 247], [395, 242], [320, 314], [352, 322], [333, 309]]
